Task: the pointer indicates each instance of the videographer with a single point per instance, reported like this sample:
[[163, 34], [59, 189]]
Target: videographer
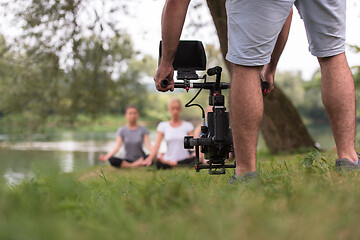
[[253, 29]]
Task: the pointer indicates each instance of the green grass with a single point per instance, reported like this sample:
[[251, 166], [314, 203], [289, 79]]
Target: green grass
[[294, 199]]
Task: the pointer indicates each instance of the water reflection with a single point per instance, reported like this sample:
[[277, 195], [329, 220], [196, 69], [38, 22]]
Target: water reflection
[[67, 162], [45, 154], [13, 178], [71, 146], [16, 165], [65, 153]]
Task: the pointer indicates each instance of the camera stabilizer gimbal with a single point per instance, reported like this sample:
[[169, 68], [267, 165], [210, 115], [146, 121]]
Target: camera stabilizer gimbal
[[215, 141]]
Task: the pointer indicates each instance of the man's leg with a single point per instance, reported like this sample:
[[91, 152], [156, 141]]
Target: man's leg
[[246, 109], [325, 23], [253, 29], [338, 95]]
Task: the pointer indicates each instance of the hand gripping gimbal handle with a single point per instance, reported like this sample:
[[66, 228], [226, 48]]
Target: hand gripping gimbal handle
[[265, 87], [165, 83]]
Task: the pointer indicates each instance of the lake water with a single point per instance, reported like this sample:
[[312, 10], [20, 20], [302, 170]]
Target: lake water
[[66, 152], [69, 152]]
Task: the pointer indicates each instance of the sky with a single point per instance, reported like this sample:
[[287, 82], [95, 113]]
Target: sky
[[296, 56]]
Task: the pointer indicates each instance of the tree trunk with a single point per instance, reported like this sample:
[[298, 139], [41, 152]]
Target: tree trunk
[[282, 127], [218, 13]]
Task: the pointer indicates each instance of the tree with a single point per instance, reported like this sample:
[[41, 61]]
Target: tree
[[305, 95], [94, 82], [356, 75], [72, 59], [292, 84], [282, 127], [312, 107], [28, 87]]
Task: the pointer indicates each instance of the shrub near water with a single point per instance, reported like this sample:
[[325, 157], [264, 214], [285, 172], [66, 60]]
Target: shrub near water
[[291, 201]]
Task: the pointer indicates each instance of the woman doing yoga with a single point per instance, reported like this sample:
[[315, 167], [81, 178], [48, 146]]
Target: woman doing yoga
[[133, 136], [173, 133]]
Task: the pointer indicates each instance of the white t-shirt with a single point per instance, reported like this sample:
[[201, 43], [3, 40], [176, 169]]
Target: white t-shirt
[[174, 138]]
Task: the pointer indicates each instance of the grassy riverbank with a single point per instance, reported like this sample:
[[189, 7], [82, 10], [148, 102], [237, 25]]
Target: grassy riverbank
[[20, 124], [106, 123], [291, 201]]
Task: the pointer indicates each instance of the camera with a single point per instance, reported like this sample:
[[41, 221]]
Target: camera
[[215, 141]]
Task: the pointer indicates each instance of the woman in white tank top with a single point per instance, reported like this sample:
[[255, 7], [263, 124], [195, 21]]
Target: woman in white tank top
[[173, 133]]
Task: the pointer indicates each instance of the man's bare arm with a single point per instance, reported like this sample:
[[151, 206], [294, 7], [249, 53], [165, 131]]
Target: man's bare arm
[[269, 70], [172, 22]]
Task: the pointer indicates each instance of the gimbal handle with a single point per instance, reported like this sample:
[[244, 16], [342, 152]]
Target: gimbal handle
[[165, 83], [208, 85], [186, 85]]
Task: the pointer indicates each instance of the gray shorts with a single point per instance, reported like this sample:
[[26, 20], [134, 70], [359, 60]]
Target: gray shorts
[[254, 25]]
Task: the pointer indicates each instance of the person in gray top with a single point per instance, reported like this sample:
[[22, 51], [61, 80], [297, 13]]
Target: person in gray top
[[253, 29], [133, 137]]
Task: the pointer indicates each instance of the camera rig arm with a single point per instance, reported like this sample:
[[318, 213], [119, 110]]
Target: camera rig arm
[[207, 85], [188, 85]]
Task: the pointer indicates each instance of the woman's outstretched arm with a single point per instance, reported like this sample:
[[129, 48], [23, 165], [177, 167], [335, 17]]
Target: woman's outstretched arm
[[116, 148], [147, 142], [155, 149]]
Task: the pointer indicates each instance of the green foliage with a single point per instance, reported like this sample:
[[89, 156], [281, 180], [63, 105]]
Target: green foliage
[[356, 75], [29, 86], [355, 48], [36, 87], [292, 84], [69, 60], [315, 161], [181, 204], [60, 26], [95, 85], [305, 95], [312, 106]]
